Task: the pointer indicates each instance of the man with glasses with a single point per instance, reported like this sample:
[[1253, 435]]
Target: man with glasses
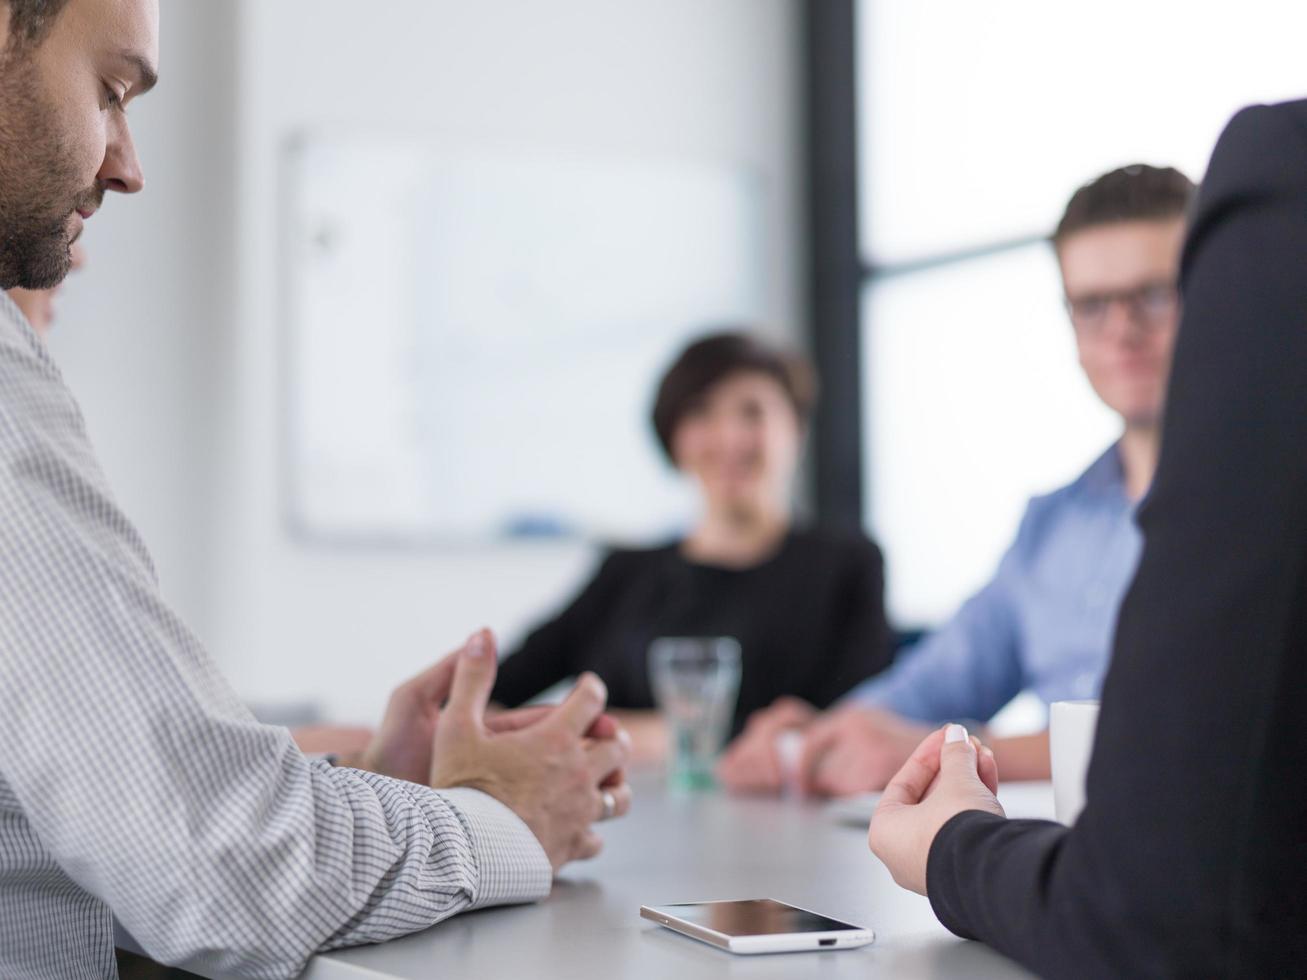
[[1045, 621]]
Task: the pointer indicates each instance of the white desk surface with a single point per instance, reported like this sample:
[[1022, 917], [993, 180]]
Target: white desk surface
[[695, 848]]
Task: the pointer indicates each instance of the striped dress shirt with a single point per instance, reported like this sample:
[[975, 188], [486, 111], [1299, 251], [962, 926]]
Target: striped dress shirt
[[134, 784]]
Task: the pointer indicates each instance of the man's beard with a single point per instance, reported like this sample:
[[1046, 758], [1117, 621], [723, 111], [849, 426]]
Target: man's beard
[[38, 185]]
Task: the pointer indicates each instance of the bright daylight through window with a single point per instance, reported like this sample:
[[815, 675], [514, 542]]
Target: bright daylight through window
[[972, 398]]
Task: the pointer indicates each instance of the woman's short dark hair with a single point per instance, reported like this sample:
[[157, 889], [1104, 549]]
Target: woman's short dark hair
[[710, 359]]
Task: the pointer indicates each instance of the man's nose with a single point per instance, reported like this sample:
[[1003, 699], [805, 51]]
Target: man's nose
[[121, 170], [1123, 319]]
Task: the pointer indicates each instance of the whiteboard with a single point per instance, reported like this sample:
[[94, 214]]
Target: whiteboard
[[473, 336]]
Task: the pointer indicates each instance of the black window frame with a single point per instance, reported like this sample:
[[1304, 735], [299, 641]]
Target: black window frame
[[839, 275]]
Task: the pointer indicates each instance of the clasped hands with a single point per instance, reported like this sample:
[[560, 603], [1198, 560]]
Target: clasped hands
[[854, 749], [561, 768], [558, 767], [849, 750], [948, 773]]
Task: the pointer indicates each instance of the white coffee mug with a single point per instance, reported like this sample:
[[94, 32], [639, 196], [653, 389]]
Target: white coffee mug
[[1071, 742]]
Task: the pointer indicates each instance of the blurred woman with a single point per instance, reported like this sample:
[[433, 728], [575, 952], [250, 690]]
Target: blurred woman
[[805, 605]]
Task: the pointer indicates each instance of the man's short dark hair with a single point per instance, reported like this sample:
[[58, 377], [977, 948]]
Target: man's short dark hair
[[711, 359], [31, 20], [1134, 193]]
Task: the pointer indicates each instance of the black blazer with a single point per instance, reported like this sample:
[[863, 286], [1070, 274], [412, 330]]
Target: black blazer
[[1190, 858]]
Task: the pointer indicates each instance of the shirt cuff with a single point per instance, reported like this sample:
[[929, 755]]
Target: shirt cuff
[[512, 867]]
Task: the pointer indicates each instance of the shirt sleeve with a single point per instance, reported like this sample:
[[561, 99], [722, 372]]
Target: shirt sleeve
[[209, 835], [969, 668], [1190, 857]]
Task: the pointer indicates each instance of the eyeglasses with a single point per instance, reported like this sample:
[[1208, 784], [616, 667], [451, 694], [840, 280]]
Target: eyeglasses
[[1149, 306]]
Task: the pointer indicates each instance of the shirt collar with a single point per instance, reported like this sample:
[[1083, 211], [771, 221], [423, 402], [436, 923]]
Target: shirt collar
[[1105, 475], [9, 309]]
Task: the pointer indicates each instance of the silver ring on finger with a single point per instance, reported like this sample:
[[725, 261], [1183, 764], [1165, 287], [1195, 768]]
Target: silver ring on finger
[[609, 802]]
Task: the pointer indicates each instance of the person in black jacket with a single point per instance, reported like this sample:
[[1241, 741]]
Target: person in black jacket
[[1190, 857], [807, 606]]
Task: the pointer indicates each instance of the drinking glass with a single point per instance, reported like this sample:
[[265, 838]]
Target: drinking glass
[[695, 683]]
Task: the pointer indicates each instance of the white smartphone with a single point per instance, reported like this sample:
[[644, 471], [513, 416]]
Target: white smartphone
[[759, 925]]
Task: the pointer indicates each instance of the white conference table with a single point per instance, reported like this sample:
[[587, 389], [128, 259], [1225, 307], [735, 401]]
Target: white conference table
[[696, 847]]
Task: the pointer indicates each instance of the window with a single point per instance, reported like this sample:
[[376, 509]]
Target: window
[[976, 121]]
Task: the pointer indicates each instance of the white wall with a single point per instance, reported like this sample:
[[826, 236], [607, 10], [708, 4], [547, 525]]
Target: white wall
[[140, 329], [708, 79]]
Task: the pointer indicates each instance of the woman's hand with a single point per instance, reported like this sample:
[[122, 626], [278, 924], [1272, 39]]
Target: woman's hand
[[948, 773]]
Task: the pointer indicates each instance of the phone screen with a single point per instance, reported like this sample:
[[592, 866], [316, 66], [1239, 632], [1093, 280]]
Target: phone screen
[[756, 917]]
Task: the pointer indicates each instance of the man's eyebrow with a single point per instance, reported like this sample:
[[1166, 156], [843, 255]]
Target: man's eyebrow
[[147, 76]]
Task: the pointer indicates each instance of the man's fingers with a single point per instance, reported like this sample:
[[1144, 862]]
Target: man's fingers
[[588, 845], [583, 706], [794, 713], [474, 676], [744, 763], [607, 755], [783, 713], [820, 739], [619, 797], [759, 781], [749, 767], [605, 726], [839, 774], [433, 684], [517, 719], [910, 783], [514, 720]]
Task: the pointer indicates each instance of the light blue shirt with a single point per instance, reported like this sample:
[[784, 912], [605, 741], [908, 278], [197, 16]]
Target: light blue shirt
[[1044, 622]]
